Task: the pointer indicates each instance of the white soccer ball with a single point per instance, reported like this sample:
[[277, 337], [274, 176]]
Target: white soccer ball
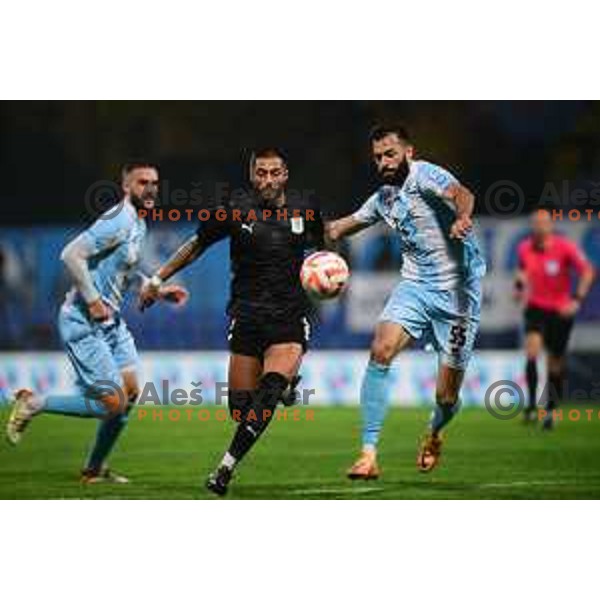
[[324, 275]]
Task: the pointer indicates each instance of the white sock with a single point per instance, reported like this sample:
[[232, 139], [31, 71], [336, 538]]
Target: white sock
[[228, 461]]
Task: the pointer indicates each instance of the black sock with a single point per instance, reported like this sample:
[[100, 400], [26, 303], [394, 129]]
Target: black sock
[[239, 403], [555, 383], [264, 402], [531, 375]]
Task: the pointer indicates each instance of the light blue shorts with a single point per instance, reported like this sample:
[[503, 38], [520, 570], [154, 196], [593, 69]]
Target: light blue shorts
[[97, 351], [449, 320]]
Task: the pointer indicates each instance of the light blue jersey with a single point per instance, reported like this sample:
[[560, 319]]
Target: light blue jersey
[[115, 243], [422, 217], [438, 298], [101, 351]]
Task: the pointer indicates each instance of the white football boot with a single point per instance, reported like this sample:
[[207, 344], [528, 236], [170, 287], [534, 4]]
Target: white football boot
[[25, 406]]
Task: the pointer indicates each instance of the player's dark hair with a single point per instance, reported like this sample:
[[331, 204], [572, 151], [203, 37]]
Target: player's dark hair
[[128, 167], [267, 152], [380, 131]]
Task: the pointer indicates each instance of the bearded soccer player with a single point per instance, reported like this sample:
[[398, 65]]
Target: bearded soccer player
[[438, 297], [543, 283], [270, 233], [102, 262]]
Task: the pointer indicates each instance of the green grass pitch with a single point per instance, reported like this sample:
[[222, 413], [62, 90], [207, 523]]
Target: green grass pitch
[[483, 458]]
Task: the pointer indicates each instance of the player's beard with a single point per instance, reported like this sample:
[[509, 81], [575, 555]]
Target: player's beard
[[147, 201], [271, 195], [396, 176]]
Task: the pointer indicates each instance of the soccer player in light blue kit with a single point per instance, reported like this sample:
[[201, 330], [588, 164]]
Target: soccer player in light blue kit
[[438, 297], [102, 262]]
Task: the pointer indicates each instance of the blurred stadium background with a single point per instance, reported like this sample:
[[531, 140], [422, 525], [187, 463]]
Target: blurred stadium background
[[52, 153]]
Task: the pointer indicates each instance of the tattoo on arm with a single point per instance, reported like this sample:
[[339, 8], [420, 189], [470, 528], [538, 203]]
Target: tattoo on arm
[[188, 252]]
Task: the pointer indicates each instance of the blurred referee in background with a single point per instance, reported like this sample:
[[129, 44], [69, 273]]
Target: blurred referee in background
[[543, 284]]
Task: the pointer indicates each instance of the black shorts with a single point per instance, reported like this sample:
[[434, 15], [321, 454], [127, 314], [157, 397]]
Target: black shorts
[[251, 336], [555, 329]]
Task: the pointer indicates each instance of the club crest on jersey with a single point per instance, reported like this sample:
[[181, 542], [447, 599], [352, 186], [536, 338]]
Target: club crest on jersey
[[552, 267], [297, 225]]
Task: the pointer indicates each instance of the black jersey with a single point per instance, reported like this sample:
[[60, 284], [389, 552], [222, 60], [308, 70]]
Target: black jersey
[[267, 248]]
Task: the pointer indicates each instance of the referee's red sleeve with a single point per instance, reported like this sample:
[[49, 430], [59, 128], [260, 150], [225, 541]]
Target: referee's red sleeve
[[578, 259]]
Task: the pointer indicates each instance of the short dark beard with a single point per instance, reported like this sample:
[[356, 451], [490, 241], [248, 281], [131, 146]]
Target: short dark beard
[[138, 201], [275, 201], [399, 176]]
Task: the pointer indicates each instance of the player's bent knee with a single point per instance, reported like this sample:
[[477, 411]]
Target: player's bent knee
[[114, 404], [383, 352], [533, 348], [446, 399]]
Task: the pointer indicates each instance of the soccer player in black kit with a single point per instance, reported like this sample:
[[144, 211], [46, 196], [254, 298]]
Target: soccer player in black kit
[[270, 235]]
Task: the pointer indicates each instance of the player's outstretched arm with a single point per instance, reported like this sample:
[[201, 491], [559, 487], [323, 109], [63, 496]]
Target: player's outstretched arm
[[212, 231], [187, 253], [340, 228], [154, 289], [365, 216]]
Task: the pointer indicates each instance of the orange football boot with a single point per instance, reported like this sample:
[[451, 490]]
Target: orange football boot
[[429, 453], [365, 467]]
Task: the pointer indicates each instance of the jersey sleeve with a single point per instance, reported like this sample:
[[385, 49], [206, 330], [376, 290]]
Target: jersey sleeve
[[577, 259], [106, 233], [215, 228], [368, 212], [434, 179]]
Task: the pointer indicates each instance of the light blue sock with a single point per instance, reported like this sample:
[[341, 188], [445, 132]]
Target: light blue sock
[[106, 436], [442, 415], [75, 405], [374, 395]]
